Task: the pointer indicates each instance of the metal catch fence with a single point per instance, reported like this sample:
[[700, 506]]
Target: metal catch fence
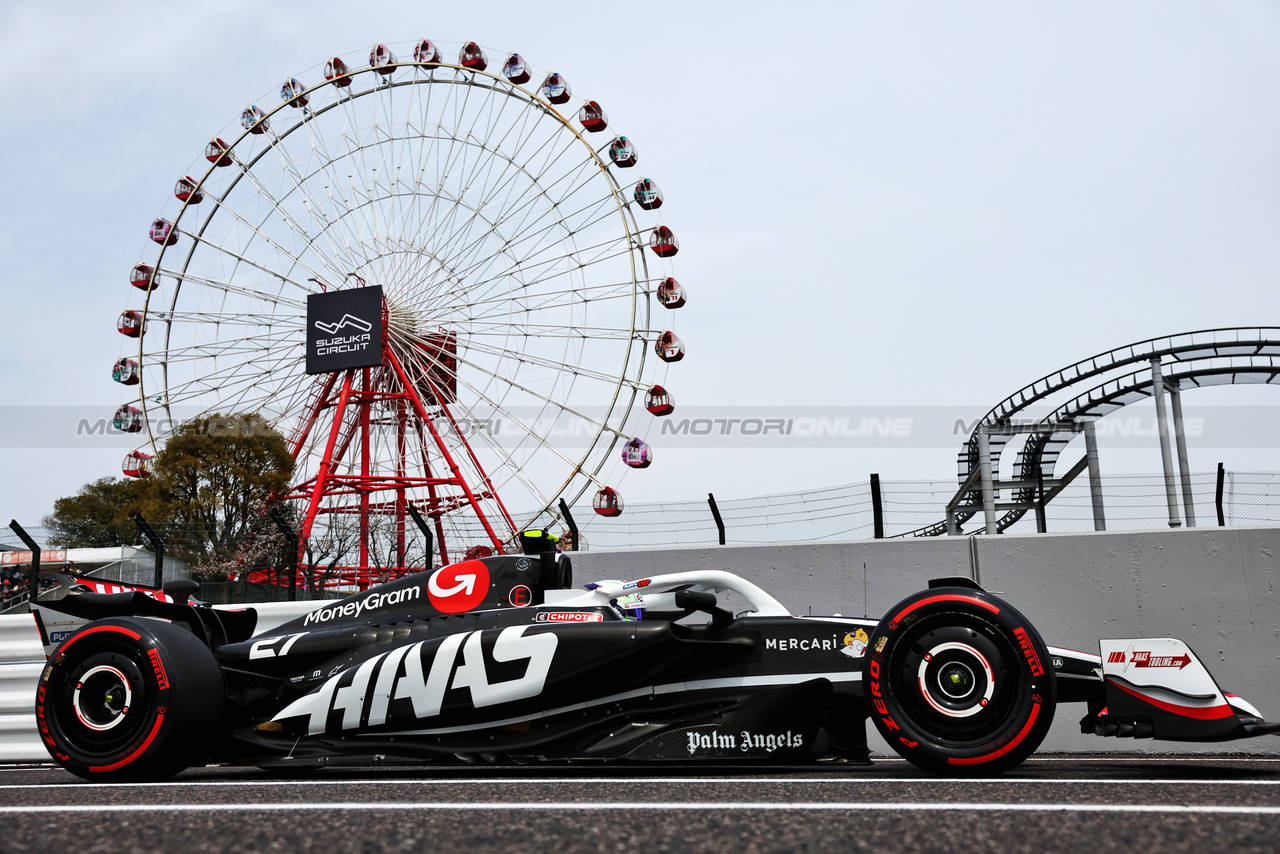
[[843, 512]]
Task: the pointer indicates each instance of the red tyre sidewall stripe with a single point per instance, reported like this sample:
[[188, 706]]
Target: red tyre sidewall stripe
[[1209, 713], [946, 597], [94, 630], [151, 736], [1017, 739]]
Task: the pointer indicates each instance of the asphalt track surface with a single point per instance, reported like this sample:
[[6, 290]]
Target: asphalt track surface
[[1091, 804]]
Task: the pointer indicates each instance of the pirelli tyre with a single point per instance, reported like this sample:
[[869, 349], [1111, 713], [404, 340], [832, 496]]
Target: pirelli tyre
[[129, 700], [959, 683]]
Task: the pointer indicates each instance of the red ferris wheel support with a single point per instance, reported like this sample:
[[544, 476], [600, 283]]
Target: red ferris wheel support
[[350, 404]]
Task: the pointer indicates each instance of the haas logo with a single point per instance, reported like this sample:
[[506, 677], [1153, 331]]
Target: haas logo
[[458, 587]]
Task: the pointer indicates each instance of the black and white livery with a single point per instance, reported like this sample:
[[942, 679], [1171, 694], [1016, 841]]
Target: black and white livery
[[500, 660]]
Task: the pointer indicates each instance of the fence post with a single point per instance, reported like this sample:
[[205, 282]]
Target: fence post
[[289, 535], [33, 574], [157, 544], [715, 512], [573, 526], [1166, 455], [877, 508], [988, 489], [1095, 476], [426, 532], [1042, 523], [1217, 497], [1184, 469]]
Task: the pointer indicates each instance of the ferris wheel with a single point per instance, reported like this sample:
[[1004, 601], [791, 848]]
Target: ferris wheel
[[508, 236]]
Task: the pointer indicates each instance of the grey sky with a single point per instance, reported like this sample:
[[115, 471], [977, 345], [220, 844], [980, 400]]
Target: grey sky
[[878, 203]]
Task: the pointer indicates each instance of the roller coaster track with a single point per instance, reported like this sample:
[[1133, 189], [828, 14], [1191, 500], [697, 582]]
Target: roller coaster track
[[1207, 357]]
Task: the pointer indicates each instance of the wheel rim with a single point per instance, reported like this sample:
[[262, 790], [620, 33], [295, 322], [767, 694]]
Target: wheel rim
[[958, 684], [105, 704], [102, 697], [956, 679]]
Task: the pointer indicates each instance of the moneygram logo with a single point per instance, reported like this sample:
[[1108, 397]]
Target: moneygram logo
[[458, 587], [352, 610]]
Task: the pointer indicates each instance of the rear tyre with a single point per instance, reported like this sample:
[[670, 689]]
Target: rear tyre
[[958, 682], [129, 700]]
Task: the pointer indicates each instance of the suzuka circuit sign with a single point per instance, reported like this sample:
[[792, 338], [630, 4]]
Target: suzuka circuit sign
[[344, 330]]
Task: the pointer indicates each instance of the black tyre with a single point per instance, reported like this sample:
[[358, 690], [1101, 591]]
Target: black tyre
[[128, 699], [959, 683]]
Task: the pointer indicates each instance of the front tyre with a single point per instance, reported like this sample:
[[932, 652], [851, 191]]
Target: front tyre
[[129, 700], [957, 682]]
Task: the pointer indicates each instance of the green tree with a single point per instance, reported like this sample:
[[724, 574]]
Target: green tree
[[213, 482], [97, 516]]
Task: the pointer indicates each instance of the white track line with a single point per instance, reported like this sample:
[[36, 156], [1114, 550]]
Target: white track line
[[643, 806], [609, 781], [1133, 757], [1190, 757]]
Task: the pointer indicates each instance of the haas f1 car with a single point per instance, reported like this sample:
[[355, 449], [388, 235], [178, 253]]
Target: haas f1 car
[[499, 660]]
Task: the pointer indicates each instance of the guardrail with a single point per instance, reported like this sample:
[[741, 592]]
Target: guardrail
[[21, 659]]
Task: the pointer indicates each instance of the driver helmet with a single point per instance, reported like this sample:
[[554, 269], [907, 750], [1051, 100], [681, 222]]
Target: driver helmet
[[632, 606]]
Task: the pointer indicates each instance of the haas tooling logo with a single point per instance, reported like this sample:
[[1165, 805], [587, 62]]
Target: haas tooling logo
[[1143, 658], [458, 587]]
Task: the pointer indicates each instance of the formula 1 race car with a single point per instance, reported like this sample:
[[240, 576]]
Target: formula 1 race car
[[498, 660]]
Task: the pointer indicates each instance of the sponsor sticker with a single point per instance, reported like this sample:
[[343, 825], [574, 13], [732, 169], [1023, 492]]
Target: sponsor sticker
[[853, 644], [742, 742], [458, 587], [1144, 658], [631, 585], [568, 617], [372, 602], [520, 596]]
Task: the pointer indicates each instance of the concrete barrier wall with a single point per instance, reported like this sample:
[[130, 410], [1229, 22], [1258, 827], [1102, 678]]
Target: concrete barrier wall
[[1216, 588]]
